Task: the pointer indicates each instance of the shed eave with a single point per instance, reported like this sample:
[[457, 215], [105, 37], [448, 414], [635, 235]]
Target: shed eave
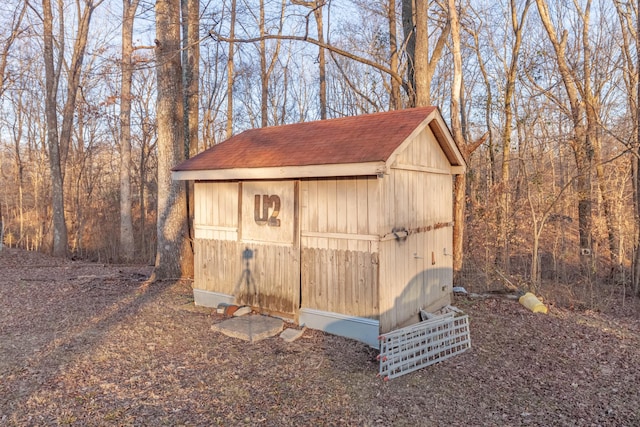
[[282, 172], [447, 143], [435, 122]]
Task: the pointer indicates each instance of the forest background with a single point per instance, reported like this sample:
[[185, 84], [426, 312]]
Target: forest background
[[541, 96]]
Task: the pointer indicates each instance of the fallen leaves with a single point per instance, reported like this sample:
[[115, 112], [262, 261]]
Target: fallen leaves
[[87, 344]]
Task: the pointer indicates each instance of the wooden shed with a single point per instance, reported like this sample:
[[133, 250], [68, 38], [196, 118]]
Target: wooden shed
[[344, 225]]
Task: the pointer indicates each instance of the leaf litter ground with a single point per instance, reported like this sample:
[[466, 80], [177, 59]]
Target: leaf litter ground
[[95, 345]]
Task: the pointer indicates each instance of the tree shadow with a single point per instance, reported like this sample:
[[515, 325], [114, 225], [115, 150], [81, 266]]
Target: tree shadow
[[63, 331]]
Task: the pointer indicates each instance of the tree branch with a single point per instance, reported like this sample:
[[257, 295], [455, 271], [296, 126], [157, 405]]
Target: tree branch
[[334, 49]]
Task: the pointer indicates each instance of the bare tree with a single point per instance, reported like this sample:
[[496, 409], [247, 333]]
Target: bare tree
[[59, 144], [191, 72], [503, 212], [190, 81], [174, 256], [230, 68], [629, 31], [316, 7], [582, 141], [395, 101], [421, 67], [637, 180], [127, 242], [60, 237], [582, 83], [460, 184], [15, 28]]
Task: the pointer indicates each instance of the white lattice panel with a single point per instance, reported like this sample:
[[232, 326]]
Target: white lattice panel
[[422, 344]]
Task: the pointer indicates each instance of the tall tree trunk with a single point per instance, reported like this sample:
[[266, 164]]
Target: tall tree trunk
[[592, 108], [59, 144], [230, 70], [191, 73], [267, 67], [421, 56], [322, 61], [60, 238], [504, 213], [264, 78], [190, 81], [408, 26], [460, 183], [316, 7], [127, 241], [17, 130], [395, 101], [421, 66], [629, 25], [581, 141], [73, 79], [174, 257]]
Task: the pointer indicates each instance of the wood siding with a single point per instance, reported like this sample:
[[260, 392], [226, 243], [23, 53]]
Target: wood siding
[[414, 274], [340, 213], [340, 242], [216, 211], [340, 281], [416, 244], [424, 153], [269, 279]]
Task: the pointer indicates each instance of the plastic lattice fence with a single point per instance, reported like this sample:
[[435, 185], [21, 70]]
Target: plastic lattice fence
[[422, 344]]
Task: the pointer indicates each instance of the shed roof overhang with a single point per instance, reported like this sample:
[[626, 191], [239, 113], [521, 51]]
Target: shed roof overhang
[[445, 139], [365, 145], [283, 172]]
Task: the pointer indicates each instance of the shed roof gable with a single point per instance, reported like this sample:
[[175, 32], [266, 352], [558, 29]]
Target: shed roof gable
[[343, 143]]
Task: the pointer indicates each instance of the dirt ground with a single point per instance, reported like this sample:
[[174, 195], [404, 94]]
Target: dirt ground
[[94, 345]]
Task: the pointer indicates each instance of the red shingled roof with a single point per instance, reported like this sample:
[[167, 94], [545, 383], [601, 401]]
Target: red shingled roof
[[359, 139]]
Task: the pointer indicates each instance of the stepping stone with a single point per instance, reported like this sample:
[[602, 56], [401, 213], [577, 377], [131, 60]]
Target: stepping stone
[[252, 328]]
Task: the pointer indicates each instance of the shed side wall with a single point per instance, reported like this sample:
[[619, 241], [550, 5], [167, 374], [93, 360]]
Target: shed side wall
[[339, 245], [416, 267]]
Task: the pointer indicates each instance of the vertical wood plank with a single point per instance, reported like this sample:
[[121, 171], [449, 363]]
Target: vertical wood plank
[[321, 206], [304, 205], [332, 204], [239, 212], [324, 278], [362, 195], [296, 215], [374, 206], [216, 206], [312, 206], [352, 213], [343, 206]]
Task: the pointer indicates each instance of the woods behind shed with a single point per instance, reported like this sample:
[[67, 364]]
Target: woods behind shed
[[344, 225]]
